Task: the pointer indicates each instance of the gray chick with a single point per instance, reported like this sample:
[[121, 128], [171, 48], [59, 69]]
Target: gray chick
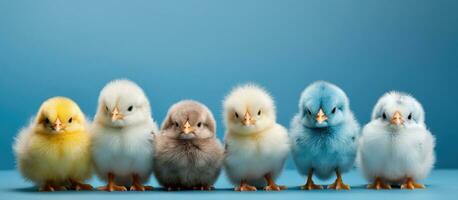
[[187, 153]]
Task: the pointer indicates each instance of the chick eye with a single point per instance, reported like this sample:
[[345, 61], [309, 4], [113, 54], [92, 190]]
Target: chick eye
[[46, 121], [259, 112], [309, 112], [176, 124], [130, 108], [199, 124], [410, 116], [106, 108], [236, 115], [384, 116], [70, 120], [333, 110]]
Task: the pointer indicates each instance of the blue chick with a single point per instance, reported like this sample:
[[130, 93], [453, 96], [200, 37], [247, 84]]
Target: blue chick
[[324, 135]]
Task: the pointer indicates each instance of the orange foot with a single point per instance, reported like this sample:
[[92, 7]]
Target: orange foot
[[112, 187], [274, 187], [51, 188], [76, 185], [140, 187], [311, 186], [410, 184], [379, 184], [245, 187]]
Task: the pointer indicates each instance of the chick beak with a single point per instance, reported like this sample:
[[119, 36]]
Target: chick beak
[[247, 119], [187, 128], [116, 115], [397, 119], [321, 117], [57, 125]]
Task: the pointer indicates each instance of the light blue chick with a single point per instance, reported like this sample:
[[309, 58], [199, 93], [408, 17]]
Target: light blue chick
[[324, 135]]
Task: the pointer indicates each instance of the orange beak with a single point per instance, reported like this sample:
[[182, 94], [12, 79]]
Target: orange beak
[[248, 120], [57, 125], [397, 119], [187, 128], [321, 117], [116, 115]]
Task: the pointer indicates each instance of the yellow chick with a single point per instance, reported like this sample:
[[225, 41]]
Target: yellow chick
[[54, 150]]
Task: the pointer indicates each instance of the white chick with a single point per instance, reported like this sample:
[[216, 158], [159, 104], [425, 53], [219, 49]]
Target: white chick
[[256, 146], [396, 147], [123, 134]]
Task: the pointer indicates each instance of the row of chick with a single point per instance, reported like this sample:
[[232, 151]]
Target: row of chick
[[60, 150]]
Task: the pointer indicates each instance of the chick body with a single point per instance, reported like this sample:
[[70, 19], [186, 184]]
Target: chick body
[[123, 137], [49, 158], [188, 160], [396, 154], [324, 134], [256, 146]]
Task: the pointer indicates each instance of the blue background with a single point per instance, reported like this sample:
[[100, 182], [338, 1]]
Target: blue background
[[201, 49]]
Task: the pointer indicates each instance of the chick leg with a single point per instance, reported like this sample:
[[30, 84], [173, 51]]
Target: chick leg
[[271, 186], [310, 185], [76, 185], [137, 186], [245, 187], [338, 184], [411, 184], [379, 184], [111, 186]]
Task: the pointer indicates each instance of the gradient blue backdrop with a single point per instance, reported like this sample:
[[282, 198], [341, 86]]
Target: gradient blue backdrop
[[201, 49]]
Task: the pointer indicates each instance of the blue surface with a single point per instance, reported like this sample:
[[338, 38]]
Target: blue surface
[[200, 49], [440, 185]]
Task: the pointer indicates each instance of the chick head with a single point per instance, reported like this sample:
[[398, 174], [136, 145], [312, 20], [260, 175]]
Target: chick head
[[398, 110], [59, 115], [249, 109], [122, 103], [189, 120], [323, 105]]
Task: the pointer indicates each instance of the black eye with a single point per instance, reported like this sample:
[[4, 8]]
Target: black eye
[[70, 120], [410, 116], [236, 115], [106, 107], [130, 108], [199, 124], [384, 116], [309, 112], [333, 110], [176, 124], [46, 121], [259, 112]]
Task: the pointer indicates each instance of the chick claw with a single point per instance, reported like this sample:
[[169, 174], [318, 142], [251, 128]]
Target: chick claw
[[139, 187], [82, 186], [50, 188], [274, 188], [311, 186], [112, 187], [410, 185], [243, 188], [379, 184], [339, 185]]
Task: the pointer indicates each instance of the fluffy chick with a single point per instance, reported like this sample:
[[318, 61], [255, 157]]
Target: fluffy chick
[[256, 146], [324, 135], [54, 150], [187, 153], [396, 147], [122, 137]]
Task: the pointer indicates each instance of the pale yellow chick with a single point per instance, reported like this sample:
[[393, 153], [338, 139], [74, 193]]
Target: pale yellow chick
[[54, 150]]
